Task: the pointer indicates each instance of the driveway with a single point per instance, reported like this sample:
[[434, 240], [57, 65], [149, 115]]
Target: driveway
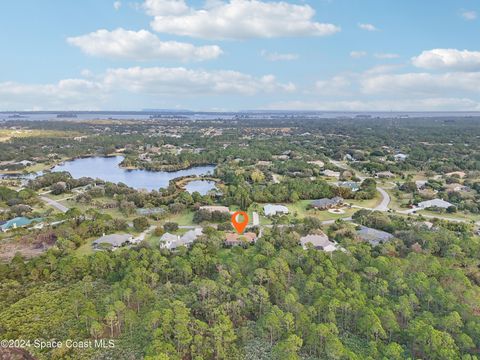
[[255, 219], [55, 204], [383, 206], [143, 235]]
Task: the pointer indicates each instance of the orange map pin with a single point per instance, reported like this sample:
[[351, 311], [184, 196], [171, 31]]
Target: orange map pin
[[240, 225]]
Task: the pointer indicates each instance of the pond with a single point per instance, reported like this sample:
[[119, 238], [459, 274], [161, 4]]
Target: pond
[[107, 168], [201, 186]]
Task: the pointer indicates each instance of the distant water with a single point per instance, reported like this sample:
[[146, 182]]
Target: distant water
[[107, 168], [201, 186], [249, 114]]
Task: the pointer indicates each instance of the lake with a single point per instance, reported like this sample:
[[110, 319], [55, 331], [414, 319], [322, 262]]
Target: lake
[[201, 186], [107, 168]]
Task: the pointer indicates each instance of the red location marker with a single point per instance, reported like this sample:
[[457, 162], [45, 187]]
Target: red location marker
[[240, 225]]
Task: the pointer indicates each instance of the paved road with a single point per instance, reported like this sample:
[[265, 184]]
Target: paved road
[[255, 219], [383, 206], [55, 204]]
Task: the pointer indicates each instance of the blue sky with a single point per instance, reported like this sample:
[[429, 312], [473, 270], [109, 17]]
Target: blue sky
[[240, 54]]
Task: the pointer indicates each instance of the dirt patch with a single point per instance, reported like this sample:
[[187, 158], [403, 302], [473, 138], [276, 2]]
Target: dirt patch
[[336, 211], [15, 354], [28, 246]]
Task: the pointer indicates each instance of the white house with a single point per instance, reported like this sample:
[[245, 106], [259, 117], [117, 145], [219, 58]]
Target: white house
[[271, 210], [440, 203], [171, 241]]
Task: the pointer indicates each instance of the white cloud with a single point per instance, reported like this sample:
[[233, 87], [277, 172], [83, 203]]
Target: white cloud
[[367, 27], [140, 45], [358, 54], [424, 84], [117, 5], [336, 86], [160, 80], [451, 59], [382, 69], [469, 15], [274, 56], [386, 56], [66, 94], [236, 19], [121, 87], [165, 7], [87, 73]]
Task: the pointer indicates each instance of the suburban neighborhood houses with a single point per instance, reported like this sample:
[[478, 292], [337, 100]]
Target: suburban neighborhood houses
[[157, 209]]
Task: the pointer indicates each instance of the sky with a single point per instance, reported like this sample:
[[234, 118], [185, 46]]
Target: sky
[[214, 55]]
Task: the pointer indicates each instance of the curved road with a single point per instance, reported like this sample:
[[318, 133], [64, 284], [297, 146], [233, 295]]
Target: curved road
[[383, 206]]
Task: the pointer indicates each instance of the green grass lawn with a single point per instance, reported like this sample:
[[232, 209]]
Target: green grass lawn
[[60, 196], [116, 213], [370, 203], [300, 208], [458, 215], [185, 218], [153, 240], [85, 249], [397, 201]]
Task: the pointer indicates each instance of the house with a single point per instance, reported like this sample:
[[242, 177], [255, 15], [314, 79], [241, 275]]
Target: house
[[264, 163], [459, 174], [350, 185], [191, 236], [439, 203], [114, 241], [171, 241], [373, 236], [319, 163], [331, 173], [385, 175], [400, 157], [212, 208], [151, 211], [319, 242], [456, 188], [16, 223], [271, 210], [324, 204], [234, 239], [421, 184]]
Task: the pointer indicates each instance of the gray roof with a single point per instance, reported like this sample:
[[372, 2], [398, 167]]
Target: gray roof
[[151, 211], [171, 241], [373, 236], [327, 202], [318, 241], [116, 240], [435, 203], [350, 184], [191, 235]]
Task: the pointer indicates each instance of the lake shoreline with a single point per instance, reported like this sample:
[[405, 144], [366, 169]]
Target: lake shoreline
[[108, 168]]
